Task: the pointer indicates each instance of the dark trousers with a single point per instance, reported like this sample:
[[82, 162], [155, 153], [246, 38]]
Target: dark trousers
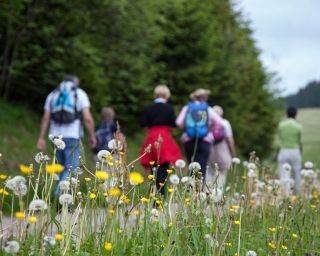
[[161, 176], [199, 151]]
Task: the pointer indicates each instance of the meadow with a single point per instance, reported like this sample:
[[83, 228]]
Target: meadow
[[111, 209]]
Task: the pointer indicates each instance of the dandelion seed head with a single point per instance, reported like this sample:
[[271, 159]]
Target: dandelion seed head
[[194, 166], [59, 143], [65, 199], [174, 179], [38, 205], [180, 163], [236, 160], [251, 253], [103, 155], [11, 247]]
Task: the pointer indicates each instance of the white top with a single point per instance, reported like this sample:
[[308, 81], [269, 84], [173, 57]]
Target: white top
[[74, 129], [227, 128]]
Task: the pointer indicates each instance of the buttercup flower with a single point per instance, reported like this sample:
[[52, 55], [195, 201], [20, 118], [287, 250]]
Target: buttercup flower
[[58, 237], [115, 192], [135, 178], [20, 215], [108, 246], [102, 175], [25, 169], [38, 205], [54, 168], [32, 219]]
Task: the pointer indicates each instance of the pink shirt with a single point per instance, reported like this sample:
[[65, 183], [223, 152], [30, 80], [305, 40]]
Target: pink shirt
[[212, 117]]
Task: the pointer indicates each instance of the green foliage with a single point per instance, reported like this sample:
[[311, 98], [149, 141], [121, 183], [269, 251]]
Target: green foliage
[[121, 49]]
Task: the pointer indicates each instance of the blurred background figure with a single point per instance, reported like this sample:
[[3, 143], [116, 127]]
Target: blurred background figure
[[159, 118], [290, 148], [106, 129], [222, 152], [195, 119]]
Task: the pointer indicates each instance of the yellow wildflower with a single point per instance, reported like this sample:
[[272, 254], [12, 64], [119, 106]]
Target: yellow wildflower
[[145, 200], [25, 169], [294, 198], [92, 195], [228, 244], [284, 247], [32, 219], [136, 178], [136, 212], [115, 192], [3, 177], [110, 163], [294, 235], [101, 175], [313, 206], [161, 184], [151, 162], [235, 207], [272, 245], [20, 215], [237, 222], [54, 168], [108, 246], [151, 177], [272, 229], [244, 177], [124, 199], [170, 190], [58, 237], [4, 192], [111, 211], [87, 179], [169, 171], [187, 200], [170, 224]]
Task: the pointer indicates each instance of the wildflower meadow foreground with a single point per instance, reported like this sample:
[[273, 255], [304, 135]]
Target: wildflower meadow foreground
[[115, 210]]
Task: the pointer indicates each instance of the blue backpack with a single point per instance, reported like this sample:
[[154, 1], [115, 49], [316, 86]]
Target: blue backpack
[[64, 106], [104, 133], [196, 121]]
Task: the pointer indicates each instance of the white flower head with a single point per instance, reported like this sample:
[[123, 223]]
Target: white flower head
[[155, 212], [180, 163], [308, 165], [41, 158], [251, 253], [208, 222], [194, 166], [18, 185], [73, 181], [184, 179], [245, 163], [103, 154], [252, 173], [115, 144], [216, 195], [65, 199], [11, 247], [236, 160], [286, 167], [174, 179], [38, 205], [51, 137], [59, 143], [207, 237], [251, 166], [49, 240], [64, 185]]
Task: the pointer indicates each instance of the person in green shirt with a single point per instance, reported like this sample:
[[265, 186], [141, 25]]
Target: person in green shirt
[[290, 148]]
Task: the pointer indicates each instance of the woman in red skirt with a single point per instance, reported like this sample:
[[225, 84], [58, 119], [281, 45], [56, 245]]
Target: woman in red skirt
[[159, 118]]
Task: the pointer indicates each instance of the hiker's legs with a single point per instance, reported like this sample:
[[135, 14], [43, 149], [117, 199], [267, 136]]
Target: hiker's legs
[[71, 155], [162, 174]]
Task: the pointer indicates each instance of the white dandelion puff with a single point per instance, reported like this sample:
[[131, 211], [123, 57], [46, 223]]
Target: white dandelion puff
[[38, 205], [216, 195], [174, 179], [184, 179], [308, 165], [251, 253], [236, 160], [65, 199], [11, 247], [115, 144], [194, 166], [64, 185], [49, 240], [180, 163], [59, 143], [103, 154], [251, 166], [286, 167]]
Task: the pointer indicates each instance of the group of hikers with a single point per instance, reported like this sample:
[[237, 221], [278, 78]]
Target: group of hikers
[[207, 137]]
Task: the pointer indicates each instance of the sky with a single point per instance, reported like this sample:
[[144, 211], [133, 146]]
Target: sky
[[288, 34]]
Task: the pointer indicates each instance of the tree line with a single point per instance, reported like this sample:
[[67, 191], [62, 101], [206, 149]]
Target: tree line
[[307, 97], [122, 49]]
